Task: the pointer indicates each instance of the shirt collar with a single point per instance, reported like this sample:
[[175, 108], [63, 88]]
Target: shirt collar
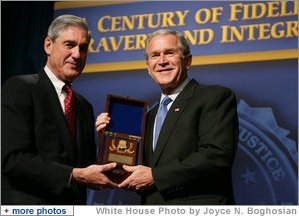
[[58, 84], [177, 91]]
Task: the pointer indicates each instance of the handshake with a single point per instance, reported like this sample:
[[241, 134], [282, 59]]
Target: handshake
[[94, 177]]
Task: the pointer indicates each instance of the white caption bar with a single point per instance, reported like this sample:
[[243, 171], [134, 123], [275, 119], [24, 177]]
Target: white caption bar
[[151, 210]]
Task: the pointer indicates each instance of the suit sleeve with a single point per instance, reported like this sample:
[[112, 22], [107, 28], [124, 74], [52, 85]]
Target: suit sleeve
[[215, 147], [21, 162]]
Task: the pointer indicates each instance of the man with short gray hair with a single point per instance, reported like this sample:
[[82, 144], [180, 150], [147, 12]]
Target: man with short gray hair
[[191, 134], [48, 145]]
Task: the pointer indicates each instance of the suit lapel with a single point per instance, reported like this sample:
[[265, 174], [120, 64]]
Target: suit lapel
[[174, 113], [81, 127], [149, 138], [50, 92]]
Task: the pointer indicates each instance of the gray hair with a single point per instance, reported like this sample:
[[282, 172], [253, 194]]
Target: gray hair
[[62, 22], [182, 41]]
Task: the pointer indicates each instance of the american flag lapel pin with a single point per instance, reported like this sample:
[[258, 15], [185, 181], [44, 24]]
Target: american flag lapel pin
[[177, 109]]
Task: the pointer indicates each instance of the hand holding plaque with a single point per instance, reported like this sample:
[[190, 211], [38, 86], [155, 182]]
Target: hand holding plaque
[[122, 139]]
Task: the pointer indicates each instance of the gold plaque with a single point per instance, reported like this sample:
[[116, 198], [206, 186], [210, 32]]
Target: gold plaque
[[122, 142]]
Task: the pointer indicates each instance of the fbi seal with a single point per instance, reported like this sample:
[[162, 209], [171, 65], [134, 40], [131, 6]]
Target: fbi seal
[[265, 168]]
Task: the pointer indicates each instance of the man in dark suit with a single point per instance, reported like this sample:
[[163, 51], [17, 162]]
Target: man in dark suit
[[45, 158], [191, 159]]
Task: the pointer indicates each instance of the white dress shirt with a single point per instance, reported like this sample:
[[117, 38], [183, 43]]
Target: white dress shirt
[[58, 84]]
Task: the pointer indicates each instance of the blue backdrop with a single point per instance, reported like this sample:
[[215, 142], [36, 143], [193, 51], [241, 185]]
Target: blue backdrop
[[266, 167]]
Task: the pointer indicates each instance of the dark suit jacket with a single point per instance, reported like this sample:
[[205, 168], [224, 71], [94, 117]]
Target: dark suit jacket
[[37, 153], [196, 147]]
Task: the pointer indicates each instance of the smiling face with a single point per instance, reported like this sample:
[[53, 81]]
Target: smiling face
[[67, 54], [167, 65]]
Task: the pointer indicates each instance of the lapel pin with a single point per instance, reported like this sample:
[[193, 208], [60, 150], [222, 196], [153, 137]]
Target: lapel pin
[[177, 109]]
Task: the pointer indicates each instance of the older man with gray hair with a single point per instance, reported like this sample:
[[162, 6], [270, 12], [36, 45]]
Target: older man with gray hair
[[48, 145]]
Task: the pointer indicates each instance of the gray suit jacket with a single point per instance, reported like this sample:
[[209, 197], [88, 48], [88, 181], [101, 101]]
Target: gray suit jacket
[[196, 147], [37, 153]]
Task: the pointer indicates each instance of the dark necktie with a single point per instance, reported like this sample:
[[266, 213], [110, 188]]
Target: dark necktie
[[162, 111], [70, 112]]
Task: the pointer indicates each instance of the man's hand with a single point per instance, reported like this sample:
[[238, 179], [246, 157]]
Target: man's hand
[[102, 121], [93, 176], [140, 179]]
